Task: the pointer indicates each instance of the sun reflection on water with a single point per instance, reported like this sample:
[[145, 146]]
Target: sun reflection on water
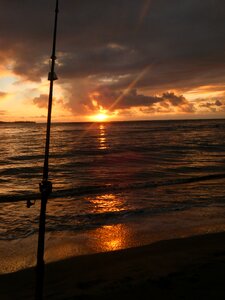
[[106, 203], [113, 237], [102, 137]]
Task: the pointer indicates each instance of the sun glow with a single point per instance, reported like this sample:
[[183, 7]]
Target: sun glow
[[100, 117]]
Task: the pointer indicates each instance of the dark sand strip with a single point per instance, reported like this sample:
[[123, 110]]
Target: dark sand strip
[[189, 268]]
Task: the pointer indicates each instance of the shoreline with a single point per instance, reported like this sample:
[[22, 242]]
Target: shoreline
[[183, 268], [20, 253]]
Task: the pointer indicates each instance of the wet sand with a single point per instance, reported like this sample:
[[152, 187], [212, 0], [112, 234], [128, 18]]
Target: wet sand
[[188, 268]]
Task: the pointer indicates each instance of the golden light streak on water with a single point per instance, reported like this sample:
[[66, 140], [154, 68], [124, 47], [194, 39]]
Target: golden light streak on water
[[106, 203], [102, 138], [113, 237]]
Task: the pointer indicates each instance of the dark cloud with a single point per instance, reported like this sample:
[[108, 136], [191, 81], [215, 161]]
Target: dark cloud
[[41, 101], [112, 100], [109, 43], [179, 101], [123, 101], [179, 32], [212, 105], [118, 100], [2, 112], [218, 103]]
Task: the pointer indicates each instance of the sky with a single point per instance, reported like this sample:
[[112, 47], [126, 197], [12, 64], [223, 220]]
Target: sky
[[116, 60]]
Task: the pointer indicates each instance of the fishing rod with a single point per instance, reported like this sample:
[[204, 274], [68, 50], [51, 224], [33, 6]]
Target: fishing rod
[[45, 185]]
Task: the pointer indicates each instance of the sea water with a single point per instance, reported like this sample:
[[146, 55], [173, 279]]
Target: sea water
[[115, 185]]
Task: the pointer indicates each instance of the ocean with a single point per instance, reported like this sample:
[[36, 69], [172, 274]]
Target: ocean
[[115, 185]]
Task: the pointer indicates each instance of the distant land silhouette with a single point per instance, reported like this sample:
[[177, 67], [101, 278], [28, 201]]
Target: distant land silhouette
[[23, 122]]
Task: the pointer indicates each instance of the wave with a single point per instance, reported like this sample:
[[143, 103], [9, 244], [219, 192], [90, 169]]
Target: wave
[[87, 221], [98, 189], [95, 220]]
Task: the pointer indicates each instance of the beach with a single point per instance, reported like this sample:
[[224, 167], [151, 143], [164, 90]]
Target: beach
[[185, 268]]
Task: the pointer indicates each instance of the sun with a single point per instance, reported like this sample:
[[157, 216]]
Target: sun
[[100, 117]]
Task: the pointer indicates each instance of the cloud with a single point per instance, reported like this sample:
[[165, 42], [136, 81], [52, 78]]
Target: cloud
[[170, 103], [103, 46], [178, 101], [107, 99], [211, 104], [2, 112], [218, 103], [3, 94], [176, 34], [41, 101], [144, 11]]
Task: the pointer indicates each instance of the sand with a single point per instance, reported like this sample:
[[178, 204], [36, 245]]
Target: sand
[[188, 268]]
